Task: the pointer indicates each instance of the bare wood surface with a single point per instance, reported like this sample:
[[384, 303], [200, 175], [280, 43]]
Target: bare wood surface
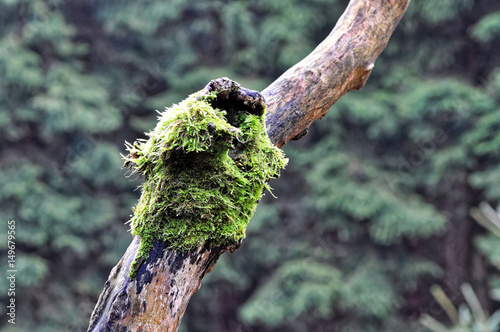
[[157, 298], [342, 62]]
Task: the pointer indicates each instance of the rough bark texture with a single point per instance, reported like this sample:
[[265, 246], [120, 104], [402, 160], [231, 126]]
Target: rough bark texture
[[158, 297]]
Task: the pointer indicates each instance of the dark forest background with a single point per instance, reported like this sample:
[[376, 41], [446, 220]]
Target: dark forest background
[[372, 211]]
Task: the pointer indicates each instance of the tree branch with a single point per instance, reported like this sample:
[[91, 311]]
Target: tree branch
[[342, 62], [157, 298]]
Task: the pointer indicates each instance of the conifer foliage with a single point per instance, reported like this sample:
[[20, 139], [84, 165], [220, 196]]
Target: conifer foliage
[[373, 208]]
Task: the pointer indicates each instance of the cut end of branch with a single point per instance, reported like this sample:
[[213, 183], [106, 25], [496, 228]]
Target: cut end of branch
[[230, 94]]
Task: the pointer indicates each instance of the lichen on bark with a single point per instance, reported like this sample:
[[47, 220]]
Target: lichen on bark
[[206, 165]]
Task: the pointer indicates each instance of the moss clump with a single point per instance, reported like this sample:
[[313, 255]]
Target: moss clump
[[204, 175]]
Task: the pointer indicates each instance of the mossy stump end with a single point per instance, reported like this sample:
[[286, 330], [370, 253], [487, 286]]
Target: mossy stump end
[[206, 165]]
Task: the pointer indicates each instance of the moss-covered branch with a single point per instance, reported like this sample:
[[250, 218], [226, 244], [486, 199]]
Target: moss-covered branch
[[206, 165], [156, 298]]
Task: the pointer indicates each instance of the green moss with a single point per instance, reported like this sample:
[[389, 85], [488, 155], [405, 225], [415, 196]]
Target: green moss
[[203, 176]]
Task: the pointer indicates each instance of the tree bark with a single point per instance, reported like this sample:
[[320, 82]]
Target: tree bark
[[342, 62], [157, 298]]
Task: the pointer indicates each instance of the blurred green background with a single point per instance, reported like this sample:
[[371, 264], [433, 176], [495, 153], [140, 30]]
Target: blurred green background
[[372, 210]]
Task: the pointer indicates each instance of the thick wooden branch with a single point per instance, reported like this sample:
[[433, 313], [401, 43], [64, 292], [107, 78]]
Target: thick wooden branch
[[157, 298], [342, 62]]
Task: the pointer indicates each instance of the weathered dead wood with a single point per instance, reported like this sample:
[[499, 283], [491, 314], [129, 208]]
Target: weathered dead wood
[[157, 298], [342, 62]]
